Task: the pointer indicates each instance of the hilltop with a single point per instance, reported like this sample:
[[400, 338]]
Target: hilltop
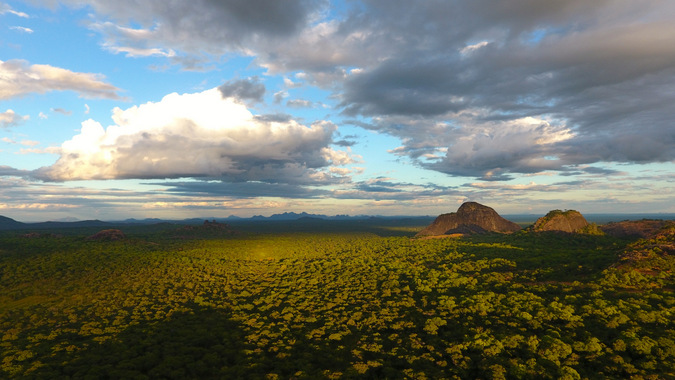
[[10, 224], [471, 217], [565, 221]]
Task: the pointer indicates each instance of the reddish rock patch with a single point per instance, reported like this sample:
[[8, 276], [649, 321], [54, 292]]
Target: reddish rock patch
[[108, 235], [35, 235]]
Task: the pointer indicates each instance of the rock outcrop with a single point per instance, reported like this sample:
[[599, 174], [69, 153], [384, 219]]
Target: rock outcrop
[[107, 235], [563, 221], [470, 218], [206, 229]]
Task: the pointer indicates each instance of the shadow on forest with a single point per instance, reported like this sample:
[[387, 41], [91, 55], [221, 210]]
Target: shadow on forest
[[555, 255], [201, 343]]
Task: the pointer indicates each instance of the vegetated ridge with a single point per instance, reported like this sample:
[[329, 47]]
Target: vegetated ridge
[[471, 217], [9, 223], [564, 221], [634, 228], [657, 243]]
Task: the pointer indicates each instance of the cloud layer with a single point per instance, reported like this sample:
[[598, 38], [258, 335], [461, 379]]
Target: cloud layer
[[599, 74], [447, 77], [19, 78], [204, 135], [198, 27]]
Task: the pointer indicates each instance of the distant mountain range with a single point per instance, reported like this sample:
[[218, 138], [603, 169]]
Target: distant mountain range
[[11, 224]]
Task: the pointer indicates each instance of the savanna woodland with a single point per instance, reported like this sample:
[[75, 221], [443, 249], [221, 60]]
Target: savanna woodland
[[335, 300]]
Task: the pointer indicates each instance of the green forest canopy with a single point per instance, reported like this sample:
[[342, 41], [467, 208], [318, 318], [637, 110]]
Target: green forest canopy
[[334, 305]]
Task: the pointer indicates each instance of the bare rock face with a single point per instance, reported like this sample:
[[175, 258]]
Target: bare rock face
[[564, 221], [471, 217], [107, 235]]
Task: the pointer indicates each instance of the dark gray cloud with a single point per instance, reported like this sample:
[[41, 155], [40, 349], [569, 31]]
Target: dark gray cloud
[[378, 189], [593, 170], [62, 111], [344, 143], [596, 76], [387, 189], [196, 28], [477, 88], [243, 89], [299, 103], [13, 172], [248, 189], [273, 118]]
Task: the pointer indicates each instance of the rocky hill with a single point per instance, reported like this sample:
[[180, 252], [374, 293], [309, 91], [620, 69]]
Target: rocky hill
[[634, 228], [471, 217], [10, 224], [657, 243], [564, 221]]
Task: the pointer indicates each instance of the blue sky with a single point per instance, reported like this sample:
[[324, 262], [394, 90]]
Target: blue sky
[[122, 109]]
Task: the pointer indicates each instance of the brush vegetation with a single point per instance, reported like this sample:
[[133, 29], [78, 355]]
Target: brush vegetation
[[160, 304]]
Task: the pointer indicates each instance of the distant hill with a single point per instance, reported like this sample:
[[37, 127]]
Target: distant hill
[[81, 223], [10, 224], [471, 217], [463, 225], [304, 216], [563, 221]]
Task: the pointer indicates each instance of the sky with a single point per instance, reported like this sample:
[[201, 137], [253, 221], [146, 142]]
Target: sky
[[209, 108]]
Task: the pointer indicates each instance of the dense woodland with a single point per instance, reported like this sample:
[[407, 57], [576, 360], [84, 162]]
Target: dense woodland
[[176, 303]]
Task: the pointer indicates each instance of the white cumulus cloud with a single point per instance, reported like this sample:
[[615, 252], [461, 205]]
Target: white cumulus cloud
[[10, 118], [198, 135], [18, 78]]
